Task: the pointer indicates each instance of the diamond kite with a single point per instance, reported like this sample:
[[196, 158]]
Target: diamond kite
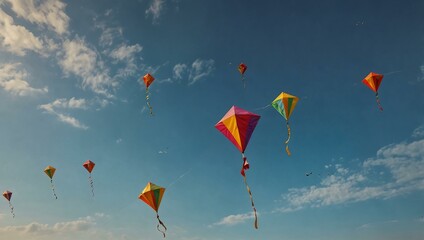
[[49, 170], [8, 196], [242, 68], [152, 196], [238, 125], [89, 165], [148, 79], [373, 81], [284, 104]]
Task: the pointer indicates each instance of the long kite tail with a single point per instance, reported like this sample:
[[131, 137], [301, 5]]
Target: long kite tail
[[378, 101], [245, 167], [147, 100], [54, 192], [11, 209], [91, 184], [288, 139], [243, 80], [163, 225]]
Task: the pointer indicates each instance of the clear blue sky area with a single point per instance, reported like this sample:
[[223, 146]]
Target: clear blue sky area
[[70, 90]]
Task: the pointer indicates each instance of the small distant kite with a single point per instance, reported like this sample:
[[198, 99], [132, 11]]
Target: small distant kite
[[373, 81], [50, 172], [89, 165], [242, 68], [308, 174], [285, 104], [8, 196], [238, 125], [152, 196], [148, 79]]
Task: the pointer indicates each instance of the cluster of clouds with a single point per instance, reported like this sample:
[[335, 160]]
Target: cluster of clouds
[[42, 29], [81, 228], [396, 170]]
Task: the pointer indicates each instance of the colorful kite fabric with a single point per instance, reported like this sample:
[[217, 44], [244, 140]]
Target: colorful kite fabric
[[373, 81], [8, 196], [242, 68], [285, 104], [148, 79], [238, 125], [89, 165], [49, 170], [152, 195]]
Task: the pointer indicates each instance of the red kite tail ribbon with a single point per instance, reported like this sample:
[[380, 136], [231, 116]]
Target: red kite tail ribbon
[[288, 139], [11, 209], [378, 101], [245, 167], [54, 192], [161, 223], [147, 100]]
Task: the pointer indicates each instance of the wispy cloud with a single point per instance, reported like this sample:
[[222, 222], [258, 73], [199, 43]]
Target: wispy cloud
[[234, 219], [200, 69], [49, 13], [12, 79], [15, 38], [418, 132], [79, 59], [403, 162], [63, 104], [179, 70], [155, 10], [127, 54]]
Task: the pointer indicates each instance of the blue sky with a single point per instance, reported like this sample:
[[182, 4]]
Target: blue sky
[[70, 91]]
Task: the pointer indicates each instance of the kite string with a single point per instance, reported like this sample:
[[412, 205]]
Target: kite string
[[91, 184], [11, 209], [245, 167], [147, 100], [54, 192], [288, 138], [161, 223], [378, 101], [262, 108]]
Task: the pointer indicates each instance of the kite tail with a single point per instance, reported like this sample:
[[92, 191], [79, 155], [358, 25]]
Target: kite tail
[[243, 80], [160, 223], [147, 100], [288, 139], [54, 192], [245, 167], [11, 209], [91, 184], [378, 101]]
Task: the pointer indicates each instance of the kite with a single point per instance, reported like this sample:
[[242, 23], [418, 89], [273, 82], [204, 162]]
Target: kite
[[152, 196], [50, 172], [89, 165], [284, 104], [148, 79], [238, 125], [242, 68], [8, 196], [373, 81]]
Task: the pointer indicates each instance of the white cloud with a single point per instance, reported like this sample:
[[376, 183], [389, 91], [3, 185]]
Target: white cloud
[[86, 228], [77, 58], [12, 80], [404, 163], [155, 9], [50, 13], [125, 52], [235, 219], [200, 69], [63, 103], [418, 132], [119, 140], [179, 70], [15, 38]]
